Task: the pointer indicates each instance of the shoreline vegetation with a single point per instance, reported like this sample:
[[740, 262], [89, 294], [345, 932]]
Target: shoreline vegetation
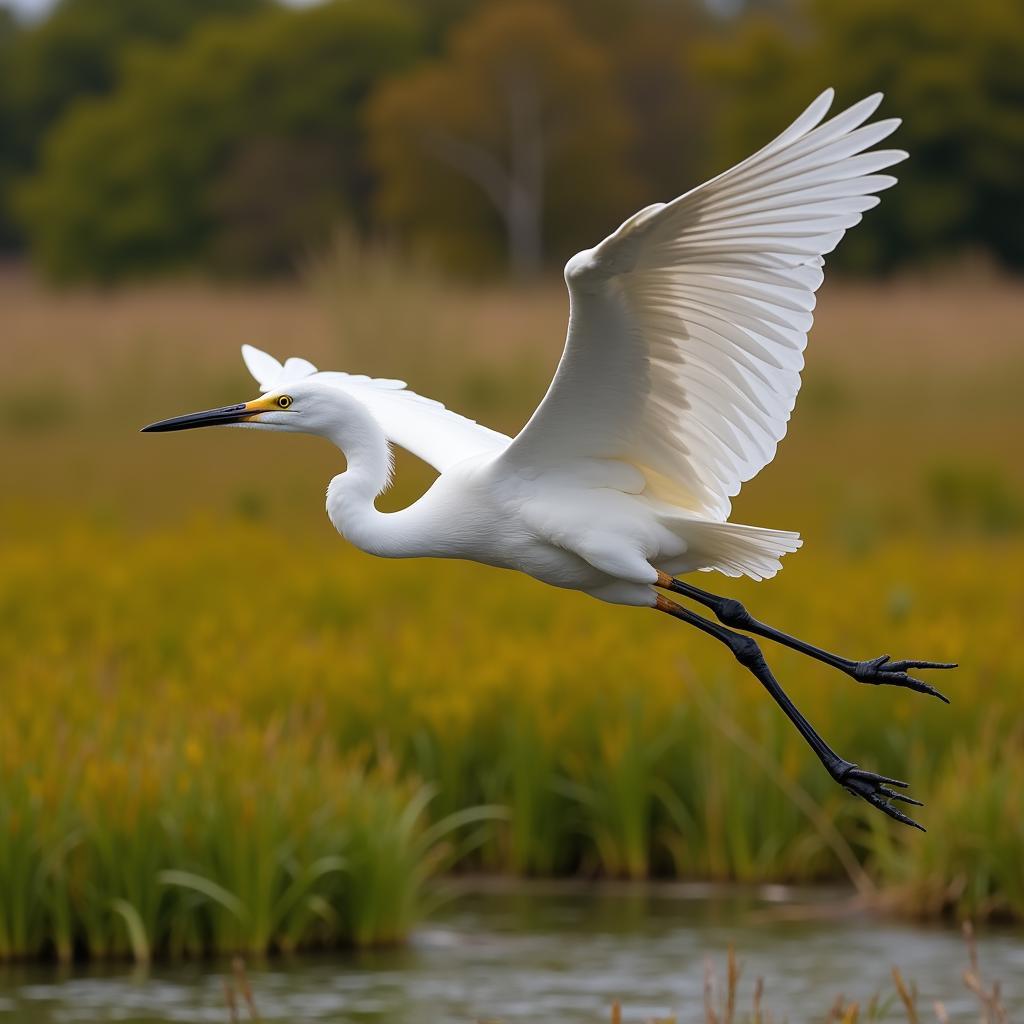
[[226, 731], [723, 1002]]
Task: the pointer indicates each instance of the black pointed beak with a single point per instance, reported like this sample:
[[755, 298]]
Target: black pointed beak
[[210, 418]]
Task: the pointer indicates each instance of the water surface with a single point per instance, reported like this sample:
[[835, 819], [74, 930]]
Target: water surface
[[557, 954]]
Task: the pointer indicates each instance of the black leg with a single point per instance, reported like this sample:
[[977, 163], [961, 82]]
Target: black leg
[[865, 784], [877, 671]]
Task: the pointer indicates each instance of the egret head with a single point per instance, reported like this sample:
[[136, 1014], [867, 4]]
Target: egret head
[[304, 407]]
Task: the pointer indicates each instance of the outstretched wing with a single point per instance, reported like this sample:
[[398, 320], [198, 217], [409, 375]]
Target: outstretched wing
[[687, 325], [417, 424]]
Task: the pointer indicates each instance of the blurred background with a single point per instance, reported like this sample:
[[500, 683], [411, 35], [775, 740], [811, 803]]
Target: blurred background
[[225, 731]]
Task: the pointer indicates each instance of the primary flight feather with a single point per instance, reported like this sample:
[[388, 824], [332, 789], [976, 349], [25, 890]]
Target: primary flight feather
[[681, 367]]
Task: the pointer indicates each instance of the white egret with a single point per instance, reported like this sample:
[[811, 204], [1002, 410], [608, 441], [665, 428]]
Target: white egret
[[681, 366]]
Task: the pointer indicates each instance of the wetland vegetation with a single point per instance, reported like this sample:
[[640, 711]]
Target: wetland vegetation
[[226, 730]]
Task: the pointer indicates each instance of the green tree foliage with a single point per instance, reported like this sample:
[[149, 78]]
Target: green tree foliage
[[515, 139], [666, 101], [953, 72], [650, 45], [76, 52], [9, 37], [151, 134], [228, 151]]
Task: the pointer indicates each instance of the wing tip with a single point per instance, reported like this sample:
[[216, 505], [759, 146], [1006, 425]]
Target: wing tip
[[816, 112]]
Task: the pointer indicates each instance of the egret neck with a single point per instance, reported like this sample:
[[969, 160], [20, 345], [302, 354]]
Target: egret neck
[[351, 495]]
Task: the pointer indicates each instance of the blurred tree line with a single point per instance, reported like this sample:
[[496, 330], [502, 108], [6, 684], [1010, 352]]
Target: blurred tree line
[[145, 136]]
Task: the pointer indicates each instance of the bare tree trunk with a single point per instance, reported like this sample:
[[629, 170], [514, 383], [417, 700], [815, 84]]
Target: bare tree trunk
[[526, 186], [515, 191], [524, 243]]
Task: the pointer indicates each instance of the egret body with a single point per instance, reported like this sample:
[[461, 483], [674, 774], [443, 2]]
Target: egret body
[[681, 367]]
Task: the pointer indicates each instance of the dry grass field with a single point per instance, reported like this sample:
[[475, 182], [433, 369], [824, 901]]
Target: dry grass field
[[224, 729]]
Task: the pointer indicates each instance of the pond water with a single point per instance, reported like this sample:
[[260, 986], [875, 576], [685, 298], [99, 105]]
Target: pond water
[[558, 954]]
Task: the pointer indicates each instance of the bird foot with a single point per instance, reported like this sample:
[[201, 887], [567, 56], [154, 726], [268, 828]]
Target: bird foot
[[883, 671], [875, 789]]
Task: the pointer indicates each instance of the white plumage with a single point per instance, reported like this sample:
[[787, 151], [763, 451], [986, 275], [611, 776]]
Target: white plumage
[[681, 367], [420, 425], [688, 323]]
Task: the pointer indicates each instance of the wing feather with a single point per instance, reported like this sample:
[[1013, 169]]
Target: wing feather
[[688, 323]]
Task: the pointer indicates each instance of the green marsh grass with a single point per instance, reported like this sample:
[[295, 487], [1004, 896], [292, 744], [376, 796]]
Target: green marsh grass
[[224, 730]]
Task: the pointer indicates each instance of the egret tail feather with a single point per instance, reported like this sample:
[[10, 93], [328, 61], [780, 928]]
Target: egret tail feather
[[731, 548]]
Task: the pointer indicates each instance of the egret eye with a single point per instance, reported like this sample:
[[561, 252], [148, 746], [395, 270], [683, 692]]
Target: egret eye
[[284, 401]]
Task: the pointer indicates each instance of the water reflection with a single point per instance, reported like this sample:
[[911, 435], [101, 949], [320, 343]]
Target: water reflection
[[559, 954]]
